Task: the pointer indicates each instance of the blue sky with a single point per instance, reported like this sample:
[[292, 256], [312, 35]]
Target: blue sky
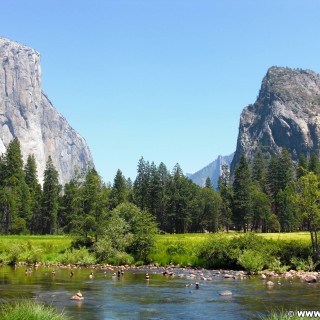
[[167, 79]]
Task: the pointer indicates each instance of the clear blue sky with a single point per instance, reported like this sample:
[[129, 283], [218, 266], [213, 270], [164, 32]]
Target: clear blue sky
[[163, 79]]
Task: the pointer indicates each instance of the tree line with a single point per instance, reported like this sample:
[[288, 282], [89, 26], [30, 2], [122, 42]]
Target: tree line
[[261, 196]]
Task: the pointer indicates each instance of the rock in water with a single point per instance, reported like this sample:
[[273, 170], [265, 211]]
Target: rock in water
[[27, 113], [286, 115]]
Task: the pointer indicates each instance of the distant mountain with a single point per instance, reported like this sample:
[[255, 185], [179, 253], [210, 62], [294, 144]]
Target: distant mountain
[[286, 115], [212, 170], [28, 114]]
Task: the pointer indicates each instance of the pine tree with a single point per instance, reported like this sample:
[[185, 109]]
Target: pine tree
[[119, 190], [302, 168], [314, 164], [50, 199], [226, 194], [94, 204], [31, 178], [241, 193], [259, 170], [141, 184], [14, 182]]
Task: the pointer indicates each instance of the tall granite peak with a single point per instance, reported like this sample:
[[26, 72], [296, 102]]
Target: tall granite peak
[[212, 170], [286, 115], [27, 113]]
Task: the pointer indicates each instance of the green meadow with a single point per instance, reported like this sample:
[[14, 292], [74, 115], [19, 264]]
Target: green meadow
[[191, 249]]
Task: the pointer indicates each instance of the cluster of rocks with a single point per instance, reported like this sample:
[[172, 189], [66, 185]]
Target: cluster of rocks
[[305, 276]]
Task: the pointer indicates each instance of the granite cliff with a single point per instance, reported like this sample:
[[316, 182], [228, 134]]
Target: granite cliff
[[27, 113], [286, 114], [212, 170]]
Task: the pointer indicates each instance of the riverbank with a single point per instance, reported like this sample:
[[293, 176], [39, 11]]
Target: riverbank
[[249, 252]]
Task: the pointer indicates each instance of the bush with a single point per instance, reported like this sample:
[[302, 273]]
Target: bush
[[252, 261], [176, 249], [81, 256], [103, 249], [121, 258], [219, 252]]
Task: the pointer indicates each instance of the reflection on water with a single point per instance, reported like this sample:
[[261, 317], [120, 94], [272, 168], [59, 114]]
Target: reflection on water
[[133, 297]]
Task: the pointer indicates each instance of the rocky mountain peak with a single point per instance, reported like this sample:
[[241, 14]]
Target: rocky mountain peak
[[27, 113], [286, 114]]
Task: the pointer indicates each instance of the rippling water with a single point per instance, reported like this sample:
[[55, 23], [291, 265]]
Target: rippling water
[[132, 297]]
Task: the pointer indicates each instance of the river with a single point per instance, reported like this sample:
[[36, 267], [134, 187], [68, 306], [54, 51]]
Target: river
[[133, 297]]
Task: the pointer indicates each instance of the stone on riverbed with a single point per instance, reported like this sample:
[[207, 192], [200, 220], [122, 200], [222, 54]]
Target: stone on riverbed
[[310, 278], [225, 293]]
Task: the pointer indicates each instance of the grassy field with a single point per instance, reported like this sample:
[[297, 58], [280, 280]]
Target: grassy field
[[180, 249]]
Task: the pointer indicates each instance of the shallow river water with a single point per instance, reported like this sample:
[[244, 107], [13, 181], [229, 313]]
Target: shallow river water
[[132, 297]]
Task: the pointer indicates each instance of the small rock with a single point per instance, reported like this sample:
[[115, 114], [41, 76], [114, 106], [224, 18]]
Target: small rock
[[225, 293], [270, 283], [310, 279]]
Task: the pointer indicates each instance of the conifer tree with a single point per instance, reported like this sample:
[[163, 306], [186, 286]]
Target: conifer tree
[[225, 190], [14, 182], [50, 199], [141, 184], [31, 178], [241, 194], [302, 168], [119, 190], [314, 164]]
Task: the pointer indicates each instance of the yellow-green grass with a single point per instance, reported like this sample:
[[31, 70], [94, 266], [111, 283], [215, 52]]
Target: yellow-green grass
[[32, 248]]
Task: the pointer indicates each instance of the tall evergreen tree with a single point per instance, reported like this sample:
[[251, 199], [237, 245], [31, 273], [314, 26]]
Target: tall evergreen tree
[[14, 181], [119, 190], [141, 184], [162, 213], [241, 193], [314, 164], [259, 170], [50, 199], [302, 168], [31, 178], [226, 194], [94, 204]]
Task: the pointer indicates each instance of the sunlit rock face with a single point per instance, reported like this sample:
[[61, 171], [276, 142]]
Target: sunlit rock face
[[286, 114], [27, 113]]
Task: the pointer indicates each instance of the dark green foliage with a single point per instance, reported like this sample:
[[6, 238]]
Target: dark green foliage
[[50, 204], [226, 194], [241, 195], [302, 168], [259, 174], [119, 191], [15, 197], [31, 178], [314, 164]]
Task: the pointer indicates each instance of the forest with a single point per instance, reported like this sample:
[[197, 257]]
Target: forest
[[269, 195], [262, 196]]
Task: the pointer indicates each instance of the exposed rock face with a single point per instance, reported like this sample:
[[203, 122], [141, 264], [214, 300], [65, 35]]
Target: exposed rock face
[[27, 113], [212, 170], [285, 115]]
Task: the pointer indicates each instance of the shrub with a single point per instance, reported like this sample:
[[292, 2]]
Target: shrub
[[80, 256], [252, 261], [176, 249]]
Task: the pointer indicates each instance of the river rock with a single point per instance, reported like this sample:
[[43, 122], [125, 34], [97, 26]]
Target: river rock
[[228, 276], [270, 284], [225, 293], [310, 278]]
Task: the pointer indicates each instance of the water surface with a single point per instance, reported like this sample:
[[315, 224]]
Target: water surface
[[132, 297]]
